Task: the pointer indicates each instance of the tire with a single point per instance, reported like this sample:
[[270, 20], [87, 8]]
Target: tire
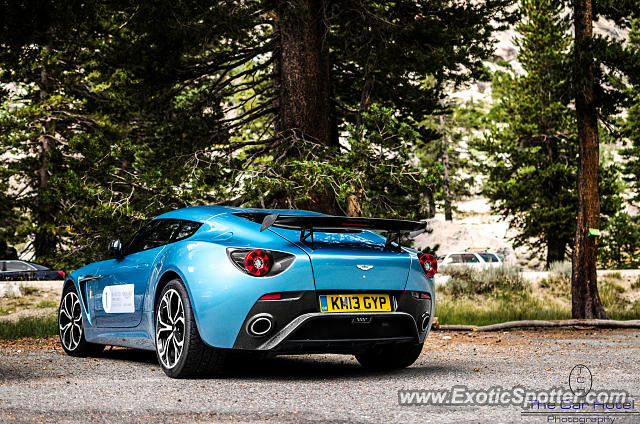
[[180, 350], [389, 357], [71, 326]]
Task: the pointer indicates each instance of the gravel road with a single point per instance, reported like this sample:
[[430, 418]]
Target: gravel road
[[38, 383]]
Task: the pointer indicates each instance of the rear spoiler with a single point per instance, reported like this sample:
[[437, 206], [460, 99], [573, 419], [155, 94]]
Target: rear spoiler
[[307, 224]]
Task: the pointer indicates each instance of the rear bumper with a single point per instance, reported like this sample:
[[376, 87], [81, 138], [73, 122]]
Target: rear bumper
[[299, 327]]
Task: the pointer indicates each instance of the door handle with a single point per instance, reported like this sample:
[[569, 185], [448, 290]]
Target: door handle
[[90, 277]]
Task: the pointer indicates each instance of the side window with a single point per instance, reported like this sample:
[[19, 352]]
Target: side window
[[163, 234], [489, 257], [187, 229], [456, 259], [136, 243], [160, 232], [18, 266], [469, 258]]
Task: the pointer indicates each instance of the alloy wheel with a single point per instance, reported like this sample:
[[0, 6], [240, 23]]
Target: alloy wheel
[[170, 328], [70, 321]]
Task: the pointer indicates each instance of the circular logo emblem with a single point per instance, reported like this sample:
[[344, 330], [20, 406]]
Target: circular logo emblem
[[580, 380], [106, 299]]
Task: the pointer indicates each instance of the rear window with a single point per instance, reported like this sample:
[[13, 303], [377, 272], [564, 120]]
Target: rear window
[[489, 257], [350, 239], [364, 239], [354, 240]]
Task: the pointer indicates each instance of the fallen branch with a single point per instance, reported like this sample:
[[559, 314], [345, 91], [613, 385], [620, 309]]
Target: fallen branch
[[599, 323]]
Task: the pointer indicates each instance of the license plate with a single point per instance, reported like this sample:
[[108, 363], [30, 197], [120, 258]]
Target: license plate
[[354, 303]]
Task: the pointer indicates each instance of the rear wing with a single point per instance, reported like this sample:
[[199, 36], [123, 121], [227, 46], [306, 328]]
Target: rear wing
[[307, 224]]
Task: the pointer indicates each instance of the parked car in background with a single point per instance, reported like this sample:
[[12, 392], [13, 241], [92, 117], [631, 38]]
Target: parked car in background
[[17, 270], [479, 260]]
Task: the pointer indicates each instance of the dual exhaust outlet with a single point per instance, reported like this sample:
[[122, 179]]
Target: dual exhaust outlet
[[424, 321], [260, 325]]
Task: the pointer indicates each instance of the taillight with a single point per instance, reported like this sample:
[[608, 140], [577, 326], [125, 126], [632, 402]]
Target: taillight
[[62, 274], [257, 263], [260, 262], [429, 264]]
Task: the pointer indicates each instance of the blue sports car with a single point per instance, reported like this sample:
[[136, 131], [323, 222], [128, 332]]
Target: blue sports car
[[200, 283]]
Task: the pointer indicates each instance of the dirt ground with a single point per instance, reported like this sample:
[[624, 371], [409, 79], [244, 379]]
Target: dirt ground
[[38, 383]]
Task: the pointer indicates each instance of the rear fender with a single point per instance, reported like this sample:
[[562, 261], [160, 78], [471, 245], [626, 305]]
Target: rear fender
[[221, 295], [418, 281]]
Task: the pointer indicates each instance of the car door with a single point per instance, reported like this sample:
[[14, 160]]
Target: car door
[[118, 296]]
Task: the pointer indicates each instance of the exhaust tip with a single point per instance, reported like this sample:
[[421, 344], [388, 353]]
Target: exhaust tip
[[260, 325], [424, 322]]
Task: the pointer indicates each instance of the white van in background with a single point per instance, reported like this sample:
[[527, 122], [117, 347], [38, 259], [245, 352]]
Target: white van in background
[[479, 260]]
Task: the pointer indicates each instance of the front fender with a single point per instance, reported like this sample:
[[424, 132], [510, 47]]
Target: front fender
[[76, 278]]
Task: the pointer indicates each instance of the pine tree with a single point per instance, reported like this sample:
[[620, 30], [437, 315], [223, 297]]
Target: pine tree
[[451, 158], [632, 123], [532, 146], [127, 109], [602, 68], [45, 120]]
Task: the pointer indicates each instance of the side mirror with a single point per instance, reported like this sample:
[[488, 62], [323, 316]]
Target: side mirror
[[115, 248]]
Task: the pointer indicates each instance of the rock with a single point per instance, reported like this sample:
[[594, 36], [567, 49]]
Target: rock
[[10, 290]]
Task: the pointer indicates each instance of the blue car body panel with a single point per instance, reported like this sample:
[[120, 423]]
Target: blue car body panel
[[222, 295]]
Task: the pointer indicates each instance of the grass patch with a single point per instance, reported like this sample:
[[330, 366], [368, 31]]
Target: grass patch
[[558, 281], [614, 275], [636, 284], [39, 327], [10, 304], [28, 290], [498, 295], [612, 296], [560, 269], [47, 304], [472, 312], [467, 281], [491, 296]]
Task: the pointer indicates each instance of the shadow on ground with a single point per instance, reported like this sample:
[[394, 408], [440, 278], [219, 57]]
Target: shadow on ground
[[290, 367]]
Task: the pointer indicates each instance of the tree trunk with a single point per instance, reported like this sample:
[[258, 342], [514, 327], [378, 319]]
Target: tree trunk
[[448, 214], [585, 299], [302, 82], [45, 239], [556, 249], [430, 201], [353, 206]]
